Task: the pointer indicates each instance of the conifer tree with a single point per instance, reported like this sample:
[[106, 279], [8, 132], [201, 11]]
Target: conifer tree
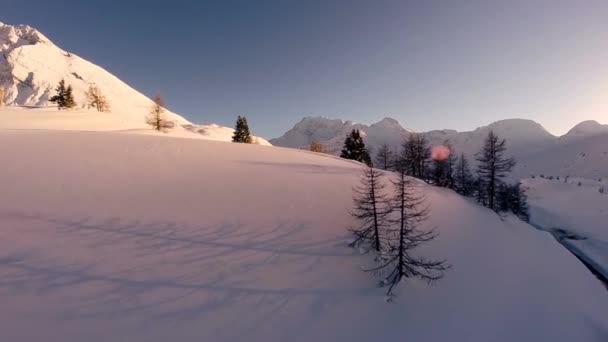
[[384, 157], [493, 167], [241, 131], [399, 262], [157, 118], [354, 148], [463, 178], [370, 209], [64, 97]]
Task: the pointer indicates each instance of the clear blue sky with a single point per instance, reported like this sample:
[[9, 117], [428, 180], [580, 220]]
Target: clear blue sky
[[429, 64]]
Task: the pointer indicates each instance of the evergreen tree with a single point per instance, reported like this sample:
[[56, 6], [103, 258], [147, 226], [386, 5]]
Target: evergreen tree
[[370, 209], [241, 131], [384, 157], [64, 97], [493, 167], [398, 261], [354, 148], [414, 156], [156, 118], [463, 178]]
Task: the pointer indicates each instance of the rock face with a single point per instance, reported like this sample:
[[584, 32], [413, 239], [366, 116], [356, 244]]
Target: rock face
[[31, 66]]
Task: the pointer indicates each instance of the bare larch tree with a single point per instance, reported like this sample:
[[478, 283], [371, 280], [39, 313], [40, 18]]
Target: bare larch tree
[[399, 261], [156, 118], [370, 209]]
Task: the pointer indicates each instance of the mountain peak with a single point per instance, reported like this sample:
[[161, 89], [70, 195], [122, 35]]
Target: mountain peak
[[14, 36], [587, 128]]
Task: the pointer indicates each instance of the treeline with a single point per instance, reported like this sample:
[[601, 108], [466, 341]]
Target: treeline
[[442, 166]]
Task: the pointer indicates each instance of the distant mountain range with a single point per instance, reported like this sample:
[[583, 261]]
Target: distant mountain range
[[583, 151]]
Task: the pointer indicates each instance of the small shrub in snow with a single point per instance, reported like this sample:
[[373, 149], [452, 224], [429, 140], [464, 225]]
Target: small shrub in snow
[[579, 183], [602, 189]]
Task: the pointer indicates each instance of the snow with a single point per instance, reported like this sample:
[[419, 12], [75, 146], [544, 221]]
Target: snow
[[109, 236], [579, 210]]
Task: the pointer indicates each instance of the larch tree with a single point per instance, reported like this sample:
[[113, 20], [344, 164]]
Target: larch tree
[[241, 131], [316, 146], [96, 99], [414, 156], [64, 97], [405, 235], [463, 178], [157, 117], [492, 167], [1, 96], [354, 148], [370, 209], [384, 157]]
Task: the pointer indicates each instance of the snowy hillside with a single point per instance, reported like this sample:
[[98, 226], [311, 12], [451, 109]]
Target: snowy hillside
[[119, 237], [582, 157], [31, 66]]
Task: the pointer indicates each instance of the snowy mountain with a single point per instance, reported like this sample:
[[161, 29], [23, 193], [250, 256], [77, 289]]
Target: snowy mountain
[[122, 237], [585, 129], [581, 152], [331, 132], [31, 66]]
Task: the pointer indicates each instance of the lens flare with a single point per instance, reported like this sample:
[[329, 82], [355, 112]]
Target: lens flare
[[440, 153]]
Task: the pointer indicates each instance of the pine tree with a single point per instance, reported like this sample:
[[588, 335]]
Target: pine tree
[[463, 178], [405, 236], [384, 157], [156, 118], [96, 99], [370, 209], [241, 131], [354, 148], [493, 167], [64, 97]]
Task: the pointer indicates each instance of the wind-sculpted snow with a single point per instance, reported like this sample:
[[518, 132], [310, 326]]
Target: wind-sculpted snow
[[106, 236]]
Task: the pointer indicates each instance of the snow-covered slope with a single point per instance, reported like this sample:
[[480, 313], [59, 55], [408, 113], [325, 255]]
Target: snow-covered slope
[[117, 237], [582, 157], [31, 66], [578, 209]]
